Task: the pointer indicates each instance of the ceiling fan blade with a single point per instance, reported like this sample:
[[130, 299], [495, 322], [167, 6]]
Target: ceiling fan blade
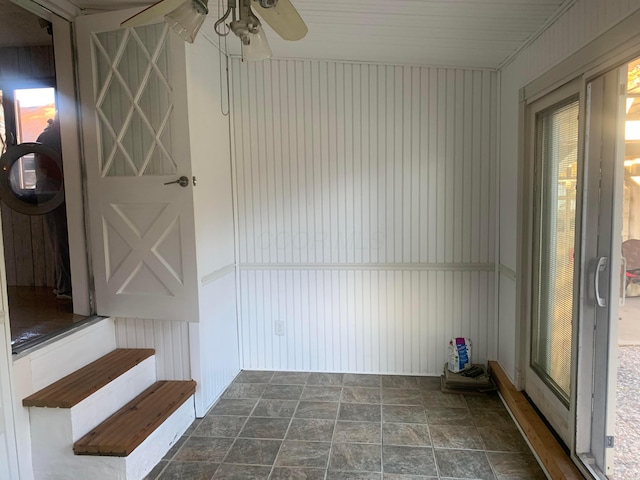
[[283, 18], [157, 10]]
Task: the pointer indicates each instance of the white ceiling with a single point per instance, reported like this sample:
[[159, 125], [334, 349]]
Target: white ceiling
[[459, 33]]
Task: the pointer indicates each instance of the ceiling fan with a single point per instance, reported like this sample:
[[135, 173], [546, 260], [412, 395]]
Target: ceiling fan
[[187, 16]]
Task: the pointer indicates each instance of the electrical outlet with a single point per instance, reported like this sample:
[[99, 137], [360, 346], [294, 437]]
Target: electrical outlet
[[278, 327]]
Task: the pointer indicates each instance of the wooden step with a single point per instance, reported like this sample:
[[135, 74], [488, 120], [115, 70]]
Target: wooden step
[[121, 433], [75, 387]]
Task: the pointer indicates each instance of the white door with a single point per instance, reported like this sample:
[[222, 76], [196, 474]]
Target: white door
[[136, 141], [602, 273], [553, 124]]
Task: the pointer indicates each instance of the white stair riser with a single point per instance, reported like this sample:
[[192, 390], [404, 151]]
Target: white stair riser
[[150, 452], [49, 364], [96, 408], [55, 459]]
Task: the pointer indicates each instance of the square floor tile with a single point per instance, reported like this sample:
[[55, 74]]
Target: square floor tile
[[245, 390], [240, 472], [190, 470], [253, 376], [357, 432], [408, 460], [490, 401], [259, 427], [204, 449], [402, 396], [399, 381], [253, 452], [322, 393], [449, 416], [220, 426], [283, 392], [174, 448], [275, 408], [361, 395], [359, 412], [329, 379], [361, 380], [155, 471], [409, 434], [310, 429], [397, 476], [430, 383], [233, 407], [191, 428], [336, 475], [322, 410], [456, 436], [297, 473], [503, 438], [491, 418], [433, 399], [515, 466], [464, 464], [290, 378], [356, 457], [403, 414], [304, 454]]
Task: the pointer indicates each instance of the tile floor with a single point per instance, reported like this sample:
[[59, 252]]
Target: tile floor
[[290, 425]]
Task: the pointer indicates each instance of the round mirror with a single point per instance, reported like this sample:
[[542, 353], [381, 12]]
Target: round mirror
[[31, 179]]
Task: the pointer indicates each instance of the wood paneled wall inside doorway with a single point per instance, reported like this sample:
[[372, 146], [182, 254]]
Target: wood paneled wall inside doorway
[[28, 253]]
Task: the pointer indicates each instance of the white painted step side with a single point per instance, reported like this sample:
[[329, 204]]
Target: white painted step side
[[36, 369], [54, 430], [67, 354], [60, 463], [96, 408]]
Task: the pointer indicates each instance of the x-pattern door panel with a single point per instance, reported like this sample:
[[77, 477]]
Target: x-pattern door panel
[[136, 140]]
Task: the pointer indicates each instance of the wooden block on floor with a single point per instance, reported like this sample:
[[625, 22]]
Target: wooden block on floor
[[121, 433], [75, 387], [548, 449]]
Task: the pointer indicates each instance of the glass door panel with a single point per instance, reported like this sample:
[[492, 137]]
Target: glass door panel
[[554, 247]]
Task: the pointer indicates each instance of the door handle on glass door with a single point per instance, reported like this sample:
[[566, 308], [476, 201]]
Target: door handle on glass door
[[182, 181], [602, 265], [623, 282]]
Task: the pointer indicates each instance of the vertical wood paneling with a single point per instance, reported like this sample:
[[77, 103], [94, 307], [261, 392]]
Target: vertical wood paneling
[[396, 166], [170, 340], [365, 214], [28, 255], [363, 320]]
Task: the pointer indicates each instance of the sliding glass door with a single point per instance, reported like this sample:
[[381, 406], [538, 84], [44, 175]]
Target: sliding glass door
[[553, 142]]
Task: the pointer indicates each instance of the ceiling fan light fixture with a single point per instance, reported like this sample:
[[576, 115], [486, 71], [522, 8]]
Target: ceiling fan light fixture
[[257, 48], [187, 19]]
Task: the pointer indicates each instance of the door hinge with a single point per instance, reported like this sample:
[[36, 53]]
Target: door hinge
[[609, 441]]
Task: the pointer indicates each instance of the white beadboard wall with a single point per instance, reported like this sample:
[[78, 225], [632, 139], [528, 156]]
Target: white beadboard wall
[[365, 199], [580, 24], [170, 340]]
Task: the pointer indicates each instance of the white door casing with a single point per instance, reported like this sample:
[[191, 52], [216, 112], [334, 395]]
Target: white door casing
[[136, 139], [557, 410], [602, 239], [8, 444]]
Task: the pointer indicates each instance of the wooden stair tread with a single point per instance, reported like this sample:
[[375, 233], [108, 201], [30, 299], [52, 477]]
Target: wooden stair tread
[[121, 433], [75, 387]]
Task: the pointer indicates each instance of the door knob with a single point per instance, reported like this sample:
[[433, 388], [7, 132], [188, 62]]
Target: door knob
[[182, 181]]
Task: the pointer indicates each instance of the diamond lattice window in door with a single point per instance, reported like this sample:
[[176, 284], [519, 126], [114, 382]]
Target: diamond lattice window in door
[[133, 101], [143, 249]]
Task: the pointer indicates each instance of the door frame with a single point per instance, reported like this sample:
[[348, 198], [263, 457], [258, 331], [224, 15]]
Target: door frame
[[612, 49], [527, 269]]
